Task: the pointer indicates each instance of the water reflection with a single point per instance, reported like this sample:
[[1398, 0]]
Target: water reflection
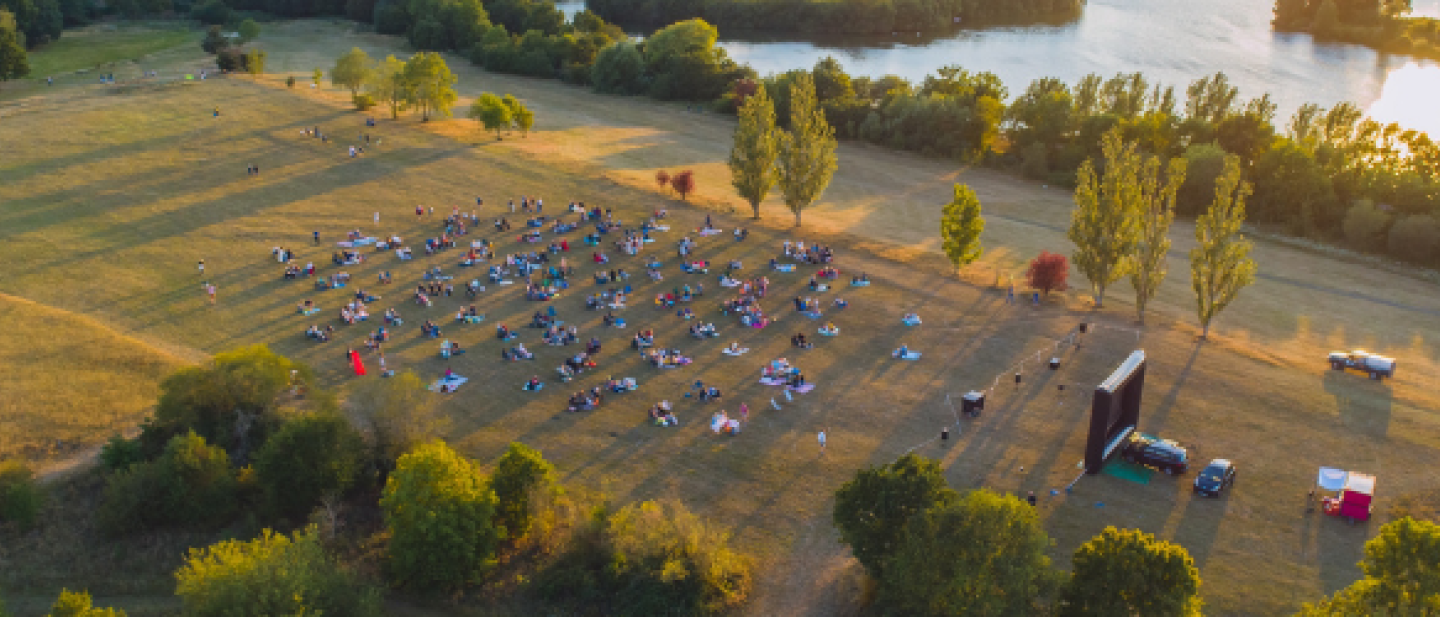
[[1170, 41]]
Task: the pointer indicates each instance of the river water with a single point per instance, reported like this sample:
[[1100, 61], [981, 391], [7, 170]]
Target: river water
[[1171, 41]]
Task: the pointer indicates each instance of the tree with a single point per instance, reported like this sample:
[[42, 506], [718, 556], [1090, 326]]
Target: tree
[[255, 61], [249, 31], [214, 41], [960, 227], [1105, 225], [79, 604], [872, 509], [394, 416], [1415, 238], [619, 69], [683, 182], [390, 85], [273, 574], [1220, 264], [1400, 575], [191, 484], [20, 496], [14, 61], [211, 13], [1130, 572], [1365, 225], [492, 112], [755, 150], [1203, 165], [524, 119], [308, 458], [1048, 272], [1157, 212], [520, 474], [432, 84], [440, 514], [807, 151], [662, 178], [353, 71], [983, 554]]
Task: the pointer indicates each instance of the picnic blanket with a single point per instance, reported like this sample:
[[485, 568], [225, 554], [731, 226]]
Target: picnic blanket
[[736, 353], [909, 355], [310, 311], [911, 322], [785, 267], [824, 332], [709, 232], [859, 283], [448, 384], [365, 241], [730, 283], [812, 314], [805, 389]]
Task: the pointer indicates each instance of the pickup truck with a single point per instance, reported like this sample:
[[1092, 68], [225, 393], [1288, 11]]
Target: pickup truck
[[1378, 367]]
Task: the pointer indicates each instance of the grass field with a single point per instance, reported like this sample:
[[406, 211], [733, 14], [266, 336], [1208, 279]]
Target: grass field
[[104, 215], [97, 46]]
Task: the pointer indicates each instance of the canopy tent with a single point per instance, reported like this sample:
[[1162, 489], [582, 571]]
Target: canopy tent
[[1353, 492], [1331, 479]]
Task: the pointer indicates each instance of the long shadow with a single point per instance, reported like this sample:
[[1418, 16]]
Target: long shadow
[[1365, 405], [1167, 402]]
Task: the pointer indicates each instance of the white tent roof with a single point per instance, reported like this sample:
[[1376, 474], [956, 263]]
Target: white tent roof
[[1332, 479], [1360, 483]]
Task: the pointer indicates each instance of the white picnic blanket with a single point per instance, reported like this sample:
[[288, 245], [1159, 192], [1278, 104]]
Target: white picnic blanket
[[453, 382]]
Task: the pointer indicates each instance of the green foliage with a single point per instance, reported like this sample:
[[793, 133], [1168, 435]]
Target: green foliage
[[79, 604], [1203, 165], [1416, 239], [211, 13], [872, 509], [430, 83], [363, 101], [309, 458], [14, 61], [1220, 264], [683, 62], [214, 41], [37, 22], [1157, 212], [249, 30], [983, 554], [1290, 188], [1130, 572], [834, 17], [807, 158], [290, 81], [233, 402], [390, 85], [394, 416], [1106, 223], [440, 515], [120, 453], [521, 115], [255, 61], [20, 496], [492, 112], [521, 473], [271, 575], [1401, 577], [961, 226], [619, 69], [316, 76], [191, 484], [1365, 226], [755, 150]]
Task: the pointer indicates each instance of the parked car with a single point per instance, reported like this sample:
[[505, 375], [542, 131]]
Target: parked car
[[1377, 366], [1163, 454], [1215, 477]]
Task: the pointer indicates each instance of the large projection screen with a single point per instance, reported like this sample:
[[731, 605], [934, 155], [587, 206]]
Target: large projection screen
[[1115, 411]]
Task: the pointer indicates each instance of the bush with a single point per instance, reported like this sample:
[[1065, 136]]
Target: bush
[[191, 484], [20, 497], [1416, 239], [271, 575], [290, 81], [308, 458], [214, 41], [211, 13], [619, 69], [120, 453], [521, 472], [229, 59], [362, 101], [1365, 225], [1033, 161], [440, 514], [79, 604], [1204, 162]]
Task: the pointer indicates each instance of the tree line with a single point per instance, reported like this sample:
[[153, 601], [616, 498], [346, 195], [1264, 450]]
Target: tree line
[[933, 551], [835, 17], [1385, 25], [248, 444]]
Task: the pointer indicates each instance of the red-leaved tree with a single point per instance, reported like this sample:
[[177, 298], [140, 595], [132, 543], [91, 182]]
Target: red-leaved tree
[[1048, 272], [743, 89], [683, 183], [662, 178]]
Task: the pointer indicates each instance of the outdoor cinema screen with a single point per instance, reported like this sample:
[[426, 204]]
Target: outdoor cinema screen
[[1115, 410]]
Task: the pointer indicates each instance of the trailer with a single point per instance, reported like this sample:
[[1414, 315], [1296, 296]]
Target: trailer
[[1375, 365]]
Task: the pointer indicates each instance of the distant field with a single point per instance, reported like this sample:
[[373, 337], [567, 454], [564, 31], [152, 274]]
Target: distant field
[[116, 197], [91, 47]]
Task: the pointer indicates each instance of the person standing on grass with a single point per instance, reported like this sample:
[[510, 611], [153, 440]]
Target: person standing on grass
[[744, 413], [316, 236], [822, 441], [202, 267], [210, 291]]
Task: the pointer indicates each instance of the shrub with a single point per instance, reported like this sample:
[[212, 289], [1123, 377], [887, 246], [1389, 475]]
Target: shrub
[[230, 59], [1034, 161], [1048, 272], [1203, 164], [1416, 239], [440, 514], [214, 41], [521, 472], [1365, 225], [683, 182], [120, 453], [20, 497], [79, 604], [191, 484], [290, 81], [362, 101], [308, 458], [271, 575]]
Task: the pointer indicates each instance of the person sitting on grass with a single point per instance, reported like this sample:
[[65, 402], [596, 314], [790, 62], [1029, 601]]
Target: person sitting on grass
[[799, 341], [534, 384]]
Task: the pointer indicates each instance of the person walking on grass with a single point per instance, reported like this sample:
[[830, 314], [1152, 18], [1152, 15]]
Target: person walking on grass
[[210, 291], [202, 267], [822, 442]]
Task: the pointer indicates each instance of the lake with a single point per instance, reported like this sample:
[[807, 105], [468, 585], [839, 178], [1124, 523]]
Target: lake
[[1170, 41]]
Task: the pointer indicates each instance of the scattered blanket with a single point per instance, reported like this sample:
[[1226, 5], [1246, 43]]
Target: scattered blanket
[[824, 332], [800, 389], [785, 267], [448, 384], [859, 283], [911, 322], [709, 232], [735, 353], [912, 355]]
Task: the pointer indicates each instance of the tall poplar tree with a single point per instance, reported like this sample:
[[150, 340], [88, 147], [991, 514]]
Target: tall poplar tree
[[1147, 269], [14, 61], [807, 151], [1105, 225], [961, 226], [1220, 264], [390, 86], [757, 145]]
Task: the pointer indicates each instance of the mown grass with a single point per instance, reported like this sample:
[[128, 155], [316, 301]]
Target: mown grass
[[87, 48], [119, 196]]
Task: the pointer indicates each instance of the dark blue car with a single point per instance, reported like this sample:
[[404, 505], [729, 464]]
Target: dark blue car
[[1215, 477]]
